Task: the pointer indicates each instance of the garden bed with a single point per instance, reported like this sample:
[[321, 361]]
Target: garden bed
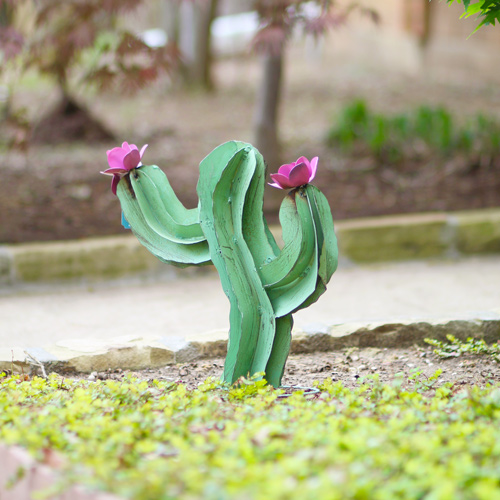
[[410, 425]]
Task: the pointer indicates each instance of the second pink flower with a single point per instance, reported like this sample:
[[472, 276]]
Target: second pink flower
[[298, 173]]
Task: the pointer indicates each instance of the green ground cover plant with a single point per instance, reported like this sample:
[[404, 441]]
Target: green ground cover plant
[[456, 347], [424, 130], [411, 439]]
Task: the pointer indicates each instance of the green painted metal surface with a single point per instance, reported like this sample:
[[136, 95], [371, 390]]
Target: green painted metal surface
[[264, 284], [159, 220]]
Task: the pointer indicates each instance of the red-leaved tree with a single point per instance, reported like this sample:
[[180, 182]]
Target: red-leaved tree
[[63, 33]]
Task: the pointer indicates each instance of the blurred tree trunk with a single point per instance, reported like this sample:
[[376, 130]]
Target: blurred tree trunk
[[267, 108], [6, 18], [195, 42], [417, 18], [5, 14], [170, 20]]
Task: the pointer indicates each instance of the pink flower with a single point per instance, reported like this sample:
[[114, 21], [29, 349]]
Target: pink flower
[[123, 160], [295, 174]]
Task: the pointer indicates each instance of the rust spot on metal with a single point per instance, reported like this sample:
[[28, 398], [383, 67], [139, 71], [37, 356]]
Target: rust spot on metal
[[129, 185], [291, 196]]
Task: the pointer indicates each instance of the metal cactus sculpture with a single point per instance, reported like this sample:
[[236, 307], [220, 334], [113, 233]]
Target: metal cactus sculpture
[[264, 284]]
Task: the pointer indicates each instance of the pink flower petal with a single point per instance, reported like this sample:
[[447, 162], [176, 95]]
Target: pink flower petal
[[314, 167], [114, 183], [115, 157], [275, 185], [302, 159], [286, 169], [299, 175], [132, 159], [143, 149], [115, 170], [282, 180]]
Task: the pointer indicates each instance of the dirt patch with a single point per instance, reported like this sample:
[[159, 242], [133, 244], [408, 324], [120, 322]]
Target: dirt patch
[[68, 122], [413, 366]]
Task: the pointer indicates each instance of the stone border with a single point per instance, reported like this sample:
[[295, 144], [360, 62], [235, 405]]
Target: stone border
[[375, 239], [420, 236], [133, 353]]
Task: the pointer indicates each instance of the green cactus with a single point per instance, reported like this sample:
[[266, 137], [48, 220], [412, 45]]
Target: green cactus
[[264, 284]]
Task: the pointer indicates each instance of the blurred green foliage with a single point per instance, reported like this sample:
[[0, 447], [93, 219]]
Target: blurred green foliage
[[487, 11], [424, 131], [410, 439]]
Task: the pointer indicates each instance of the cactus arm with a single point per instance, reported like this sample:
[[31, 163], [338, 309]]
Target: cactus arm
[[327, 257], [305, 280], [300, 281], [327, 241], [187, 221], [275, 269], [167, 249], [156, 214], [300, 245]]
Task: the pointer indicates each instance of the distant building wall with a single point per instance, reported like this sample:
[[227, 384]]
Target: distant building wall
[[418, 35]]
